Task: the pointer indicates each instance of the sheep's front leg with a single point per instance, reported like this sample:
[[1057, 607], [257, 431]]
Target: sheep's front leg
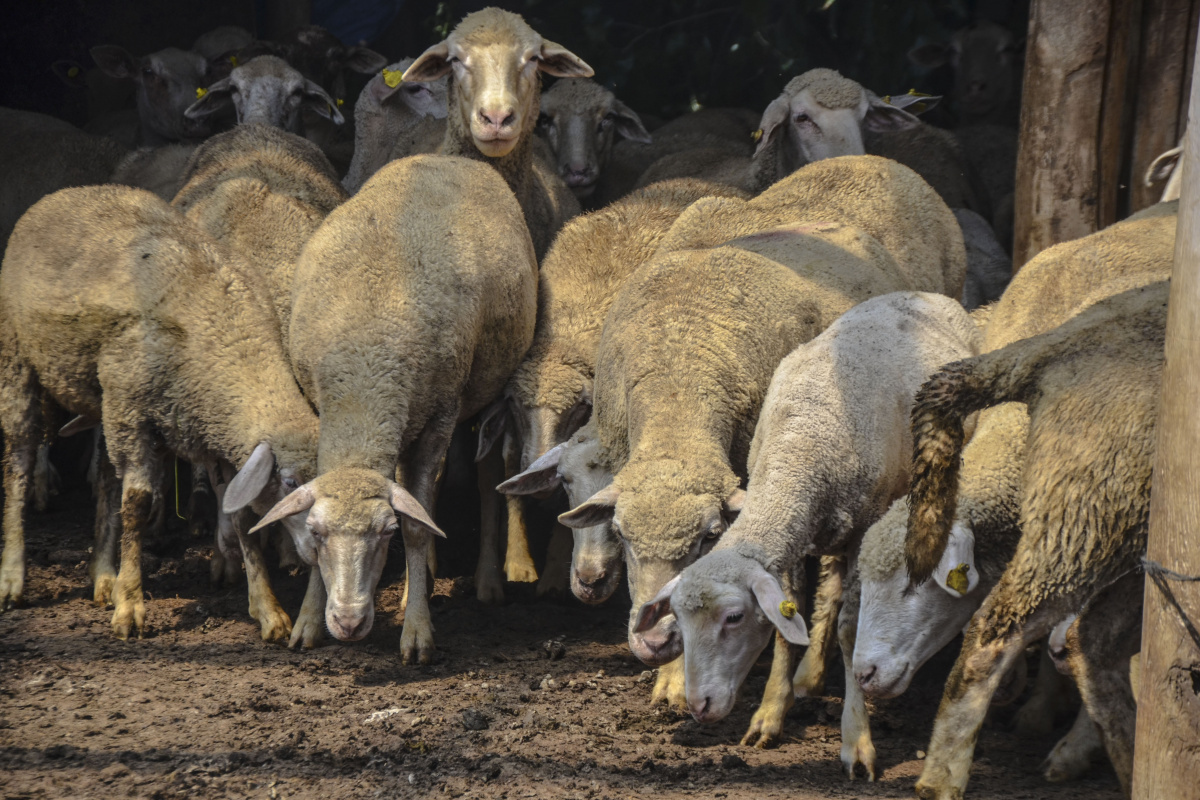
[[981, 666], [556, 577], [810, 675], [310, 624], [1100, 644], [518, 562], [18, 463], [200, 508], [274, 622], [857, 747], [1075, 752], [489, 586], [137, 501], [670, 687], [103, 568], [778, 697]]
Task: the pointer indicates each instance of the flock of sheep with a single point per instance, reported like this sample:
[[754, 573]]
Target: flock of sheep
[[754, 349]]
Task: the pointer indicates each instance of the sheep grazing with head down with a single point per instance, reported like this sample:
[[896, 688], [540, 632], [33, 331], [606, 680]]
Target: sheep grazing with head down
[[1092, 388], [394, 118], [495, 61], [830, 452], [171, 346], [412, 304]]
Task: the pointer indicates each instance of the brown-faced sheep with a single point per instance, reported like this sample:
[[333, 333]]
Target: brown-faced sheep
[[167, 82], [986, 60], [172, 347], [1092, 388], [412, 304], [494, 60], [830, 452]]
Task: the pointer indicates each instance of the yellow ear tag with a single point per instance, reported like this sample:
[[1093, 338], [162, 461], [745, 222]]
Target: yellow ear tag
[[757, 135], [200, 92], [915, 93], [233, 60], [73, 72], [392, 77], [341, 102], [788, 609], [956, 578]]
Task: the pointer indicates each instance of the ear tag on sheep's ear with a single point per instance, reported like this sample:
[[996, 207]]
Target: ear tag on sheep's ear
[[73, 72], [233, 60], [340, 102], [393, 77], [757, 135], [788, 609], [200, 92], [956, 578]]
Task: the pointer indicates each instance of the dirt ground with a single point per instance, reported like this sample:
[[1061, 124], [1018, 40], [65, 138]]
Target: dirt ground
[[202, 708]]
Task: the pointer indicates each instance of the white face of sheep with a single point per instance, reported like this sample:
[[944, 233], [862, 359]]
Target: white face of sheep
[[901, 627], [352, 515], [265, 90], [496, 60], [596, 563], [726, 607]]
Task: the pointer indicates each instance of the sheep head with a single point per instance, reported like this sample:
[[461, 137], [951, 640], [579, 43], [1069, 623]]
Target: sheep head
[[352, 515], [496, 60], [167, 82], [268, 91], [726, 606]]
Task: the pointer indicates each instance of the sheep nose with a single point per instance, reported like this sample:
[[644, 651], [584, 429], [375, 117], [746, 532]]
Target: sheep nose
[[350, 626], [589, 578], [496, 118], [864, 676], [700, 709]]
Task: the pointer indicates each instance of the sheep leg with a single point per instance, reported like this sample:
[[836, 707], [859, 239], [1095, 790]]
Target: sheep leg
[[810, 675], [201, 505], [670, 687], [310, 624], [1075, 752], [264, 607], [857, 746], [46, 481], [1051, 694], [778, 697], [556, 576], [21, 416], [226, 565], [139, 472], [1100, 644], [103, 568], [518, 563], [289, 557], [977, 675], [489, 586]]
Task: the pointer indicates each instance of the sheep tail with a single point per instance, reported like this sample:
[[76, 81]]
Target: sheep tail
[[939, 409]]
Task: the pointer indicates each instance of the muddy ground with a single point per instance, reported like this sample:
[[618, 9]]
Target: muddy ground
[[202, 708]]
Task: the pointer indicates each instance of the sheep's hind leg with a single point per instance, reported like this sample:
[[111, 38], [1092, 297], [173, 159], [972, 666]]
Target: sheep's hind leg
[[103, 568], [489, 585], [1101, 643], [766, 725], [518, 562], [810, 675], [275, 624], [21, 417], [138, 470], [556, 577], [1075, 752], [857, 746]]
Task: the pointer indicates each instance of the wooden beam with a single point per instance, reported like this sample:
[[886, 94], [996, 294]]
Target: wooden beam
[[1167, 746]]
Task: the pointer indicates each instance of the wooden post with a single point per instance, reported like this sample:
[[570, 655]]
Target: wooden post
[[1167, 750]]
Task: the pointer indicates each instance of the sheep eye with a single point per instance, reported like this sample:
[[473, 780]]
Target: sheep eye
[[714, 532], [733, 619], [802, 118], [606, 123], [391, 530], [290, 482]]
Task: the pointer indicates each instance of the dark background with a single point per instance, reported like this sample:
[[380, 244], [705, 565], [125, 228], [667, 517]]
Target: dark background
[[661, 56]]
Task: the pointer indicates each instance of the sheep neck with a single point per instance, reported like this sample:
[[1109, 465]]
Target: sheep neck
[[517, 167]]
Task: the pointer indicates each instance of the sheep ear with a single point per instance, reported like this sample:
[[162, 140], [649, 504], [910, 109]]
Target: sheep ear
[[493, 421], [914, 103], [629, 124], [318, 100], [298, 501], [78, 425], [735, 502], [541, 476], [430, 65], [883, 116], [215, 98], [250, 480], [596, 510], [956, 572], [560, 62], [1162, 167], [928, 56], [378, 89], [781, 611], [364, 60], [775, 115], [114, 61], [404, 503], [654, 610]]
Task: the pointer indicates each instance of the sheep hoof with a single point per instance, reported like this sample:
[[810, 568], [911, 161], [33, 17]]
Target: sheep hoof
[[1066, 763], [861, 753], [12, 587], [102, 591], [669, 687], [306, 632], [416, 647], [489, 591], [520, 572], [129, 619], [931, 788], [276, 625], [762, 733]]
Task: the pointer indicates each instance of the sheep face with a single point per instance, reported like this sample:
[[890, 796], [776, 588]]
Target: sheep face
[[166, 86], [352, 515], [581, 119], [726, 607], [321, 56], [985, 60], [496, 59], [267, 91], [576, 465], [900, 626]]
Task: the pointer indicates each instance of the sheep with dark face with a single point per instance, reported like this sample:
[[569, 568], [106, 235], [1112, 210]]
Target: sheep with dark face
[[495, 61], [267, 91], [986, 59], [167, 82]]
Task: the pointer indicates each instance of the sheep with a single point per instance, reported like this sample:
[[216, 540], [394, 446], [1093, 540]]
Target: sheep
[[171, 346], [323, 58], [1091, 386], [266, 90], [582, 120], [989, 268], [167, 82], [495, 59], [394, 119], [156, 169], [1167, 166], [987, 72], [991, 155], [830, 452], [221, 41], [412, 304]]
